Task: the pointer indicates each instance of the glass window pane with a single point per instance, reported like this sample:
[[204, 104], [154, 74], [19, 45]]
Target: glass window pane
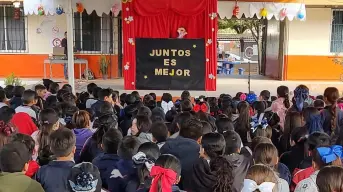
[[16, 39], [337, 32], [91, 32]]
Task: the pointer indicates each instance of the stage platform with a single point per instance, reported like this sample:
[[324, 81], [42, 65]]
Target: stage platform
[[227, 84]]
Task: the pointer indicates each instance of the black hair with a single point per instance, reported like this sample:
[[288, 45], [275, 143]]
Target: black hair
[[170, 115], [152, 152], [26, 139], [167, 97], [143, 124], [146, 99], [106, 108], [223, 169], [299, 135], [273, 98], [83, 97], [18, 91], [122, 99], [318, 139], [185, 95], [283, 92], [40, 87], [168, 162], [318, 160], [47, 82], [227, 106], [265, 94], [51, 102], [206, 127], [242, 126], [159, 131], [153, 95], [53, 88], [224, 124], [96, 92], [186, 105], [115, 95], [28, 96], [104, 93], [91, 87], [111, 141], [144, 111], [60, 94], [233, 142], [191, 128], [2, 96], [213, 145], [319, 104], [103, 124], [13, 157], [178, 120], [62, 142], [9, 91], [136, 95], [157, 114], [259, 107], [48, 118], [68, 111], [130, 99], [69, 98], [293, 120], [128, 147], [321, 97], [68, 88], [6, 114]]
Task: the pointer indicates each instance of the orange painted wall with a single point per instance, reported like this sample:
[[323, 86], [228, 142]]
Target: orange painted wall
[[306, 67], [31, 66]]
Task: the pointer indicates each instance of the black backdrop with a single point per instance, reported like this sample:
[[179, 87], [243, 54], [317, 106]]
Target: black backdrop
[[183, 69]]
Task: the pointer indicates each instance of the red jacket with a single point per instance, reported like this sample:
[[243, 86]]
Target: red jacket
[[33, 168], [24, 123], [299, 175]]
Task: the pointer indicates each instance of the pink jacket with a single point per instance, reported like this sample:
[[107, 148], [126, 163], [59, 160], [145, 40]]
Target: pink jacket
[[279, 108]]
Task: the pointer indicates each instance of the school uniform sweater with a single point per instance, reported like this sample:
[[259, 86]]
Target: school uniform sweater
[[18, 182]]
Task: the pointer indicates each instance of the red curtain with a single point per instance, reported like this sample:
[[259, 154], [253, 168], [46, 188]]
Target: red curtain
[[161, 19]]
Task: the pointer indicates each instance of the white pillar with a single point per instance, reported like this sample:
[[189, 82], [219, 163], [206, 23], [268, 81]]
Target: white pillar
[[70, 37]]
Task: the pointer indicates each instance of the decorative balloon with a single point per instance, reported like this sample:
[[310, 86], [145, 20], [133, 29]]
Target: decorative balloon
[[301, 14], [116, 9], [16, 13], [40, 10], [235, 11], [59, 10], [264, 12], [283, 13], [79, 7]]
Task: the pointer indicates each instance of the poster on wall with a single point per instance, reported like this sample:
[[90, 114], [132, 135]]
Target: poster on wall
[[170, 64]]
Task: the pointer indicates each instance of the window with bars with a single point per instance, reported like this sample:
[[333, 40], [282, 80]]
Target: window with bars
[[13, 31], [337, 31], [93, 34]]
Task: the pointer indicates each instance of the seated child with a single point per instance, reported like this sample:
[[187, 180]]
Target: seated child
[[30, 144], [259, 176], [159, 132], [28, 100], [106, 161], [14, 158], [330, 179], [119, 175], [54, 176]]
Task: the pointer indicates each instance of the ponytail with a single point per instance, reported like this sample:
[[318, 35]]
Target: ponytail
[[223, 170], [333, 117], [331, 94], [283, 92], [286, 101]]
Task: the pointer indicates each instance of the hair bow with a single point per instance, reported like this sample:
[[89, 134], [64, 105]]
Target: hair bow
[[251, 97], [330, 154], [5, 129], [166, 176], [251, 185], [200, 107], [242, 97], [167, 106], [140, 158], [300, 95], [260, 121], [84, 182], [314, 124]]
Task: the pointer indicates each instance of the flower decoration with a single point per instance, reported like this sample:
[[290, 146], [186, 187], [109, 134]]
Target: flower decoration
[[182, 32], [213, 15], [283, 13], [207, 60], [235, 11], [127, 9], [116, 9], [209, 41], [59, 10], [251, 97], [259, 122], [16, 13], [132, 83], [301, 14], [79, 7], [126, 66], [263, 12], [131, 41], [41, 10], [211, 76], [128, 19]]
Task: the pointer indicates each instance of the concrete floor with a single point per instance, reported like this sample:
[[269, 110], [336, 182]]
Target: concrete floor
[[230, 85]]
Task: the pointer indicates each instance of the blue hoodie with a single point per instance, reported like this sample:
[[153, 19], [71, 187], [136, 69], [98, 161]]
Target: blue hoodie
[[106, 163], [81, 137], [120, 175], [326, 120], [187, 151]]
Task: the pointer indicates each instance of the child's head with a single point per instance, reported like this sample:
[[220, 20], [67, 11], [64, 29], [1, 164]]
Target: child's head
[[83, 97], [185, 95], [147, 99], [318, 139], [283, 92], [128, 147], [243, 121], [84, 176], [103, 124], [141, 124], [60, 94], [324, 156], [62, 143], [186, 105], [9, 91], [170, 115], [69, 98], [81, 119], [111, 141], [213, 145], [264, 95], [233, 142], [144, 111], [153, 95], [167, 97], [145, 159], [330, 179], [258, 175], [18, 91], [259, 107], [68, 88], [159, 132], [29, 97], [192, 129], [313, 120], [14, 157], [292, 121], [96, 92], [26, 139], [206, 127], [257, 140], [136, 95], [3, 97], [167, 170], [91, 87], [179, 119], [53, 88], [260, 127], [266, 154], [273, 119], [223, 169], [301, 93], [40, 90], [105, 95], [319, 104], [224, 124]]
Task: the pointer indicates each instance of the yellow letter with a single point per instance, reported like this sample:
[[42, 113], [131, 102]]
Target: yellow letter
[[152, 53], [173, 62], [165, 52], [158, 71], [179, 72], [188, 53], [187, 72], [158, 52], [166, 62], [173, 51], [181, 53], [172, 72], [165, 71]]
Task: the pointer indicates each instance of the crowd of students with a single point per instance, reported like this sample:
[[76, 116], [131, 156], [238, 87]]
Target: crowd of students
[[99, 140]]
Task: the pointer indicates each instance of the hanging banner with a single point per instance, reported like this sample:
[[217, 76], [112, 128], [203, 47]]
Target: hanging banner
[[170, 64]]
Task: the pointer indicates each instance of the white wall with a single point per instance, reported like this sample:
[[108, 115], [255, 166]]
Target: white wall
[[42, 43], [310, 37]]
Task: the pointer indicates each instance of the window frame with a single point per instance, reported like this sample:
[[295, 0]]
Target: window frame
[[15, 51], [101, 34], [331, 40]]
